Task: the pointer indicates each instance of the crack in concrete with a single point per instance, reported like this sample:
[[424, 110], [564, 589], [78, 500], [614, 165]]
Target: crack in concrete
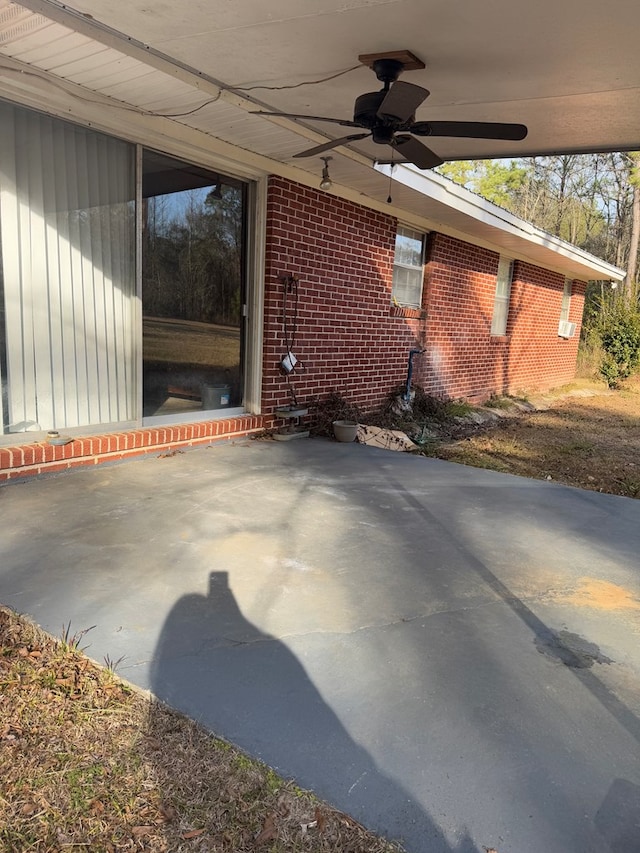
[[346, 633], [225, 642]]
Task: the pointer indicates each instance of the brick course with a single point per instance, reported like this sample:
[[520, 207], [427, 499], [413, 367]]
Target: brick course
[[464, 359], [348, 337], [44, 458]]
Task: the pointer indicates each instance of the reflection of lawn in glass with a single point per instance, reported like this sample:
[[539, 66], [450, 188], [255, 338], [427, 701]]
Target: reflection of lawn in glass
[[186, 342], [180, 357]]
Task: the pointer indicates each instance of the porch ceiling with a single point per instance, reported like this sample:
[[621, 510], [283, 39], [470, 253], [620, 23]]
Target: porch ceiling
[[569, 71]]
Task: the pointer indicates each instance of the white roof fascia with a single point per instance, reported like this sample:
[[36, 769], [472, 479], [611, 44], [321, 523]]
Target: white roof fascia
[[448, 193]]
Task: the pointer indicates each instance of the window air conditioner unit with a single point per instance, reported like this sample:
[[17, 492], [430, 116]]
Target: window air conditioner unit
[[566, 329]]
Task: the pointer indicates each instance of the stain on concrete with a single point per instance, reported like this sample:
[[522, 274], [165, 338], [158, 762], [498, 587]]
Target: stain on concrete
[[602, 595], [570, 649]]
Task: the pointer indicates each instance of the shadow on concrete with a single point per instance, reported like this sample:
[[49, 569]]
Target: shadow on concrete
[[214, 665], [617, 818], [543, 634]]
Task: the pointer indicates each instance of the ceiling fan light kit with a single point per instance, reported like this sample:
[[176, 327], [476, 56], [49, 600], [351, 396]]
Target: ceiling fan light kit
[[388, 116]]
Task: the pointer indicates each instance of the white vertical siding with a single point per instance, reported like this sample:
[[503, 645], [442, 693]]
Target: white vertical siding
[[67, 224]]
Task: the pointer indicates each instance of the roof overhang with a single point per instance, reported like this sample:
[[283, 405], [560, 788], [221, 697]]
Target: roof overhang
[[569, 70], [465, 212]]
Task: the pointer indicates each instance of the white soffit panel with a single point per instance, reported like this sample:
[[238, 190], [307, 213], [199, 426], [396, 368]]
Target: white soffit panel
[[123, 77], [58, 50]]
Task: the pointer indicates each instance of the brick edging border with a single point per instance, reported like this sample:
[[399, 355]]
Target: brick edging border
[[26, 460]]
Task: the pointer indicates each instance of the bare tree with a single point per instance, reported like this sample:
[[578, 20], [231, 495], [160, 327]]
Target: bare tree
[[631, 288]]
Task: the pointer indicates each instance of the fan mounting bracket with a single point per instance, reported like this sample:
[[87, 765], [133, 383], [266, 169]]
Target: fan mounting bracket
[[409, 61]]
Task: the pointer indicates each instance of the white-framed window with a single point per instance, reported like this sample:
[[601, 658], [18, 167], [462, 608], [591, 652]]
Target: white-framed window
[[566, 300], [565, 328], [503, 294], [408, 268]]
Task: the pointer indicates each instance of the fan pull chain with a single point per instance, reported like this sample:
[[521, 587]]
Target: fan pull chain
[[389, 199]]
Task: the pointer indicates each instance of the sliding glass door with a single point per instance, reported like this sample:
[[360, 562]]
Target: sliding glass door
[[74, 341], [192, 288]]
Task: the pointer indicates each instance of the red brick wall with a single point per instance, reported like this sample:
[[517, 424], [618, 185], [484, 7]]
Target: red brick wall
[[464, 359], [349, 339]]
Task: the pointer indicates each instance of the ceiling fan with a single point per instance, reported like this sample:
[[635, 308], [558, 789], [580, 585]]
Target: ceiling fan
[[389, 118]]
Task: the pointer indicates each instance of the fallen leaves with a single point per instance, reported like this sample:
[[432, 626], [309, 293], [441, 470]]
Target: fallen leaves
[[33, 652], [11, 731], [321, 820], [269, 830], [87, 762], [141, 831], [169, 813], [96, 807], [192, 833]]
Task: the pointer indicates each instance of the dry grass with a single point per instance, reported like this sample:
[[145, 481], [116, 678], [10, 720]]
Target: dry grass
[[184, 342], [583, 434], [587, 437], [87, 763]]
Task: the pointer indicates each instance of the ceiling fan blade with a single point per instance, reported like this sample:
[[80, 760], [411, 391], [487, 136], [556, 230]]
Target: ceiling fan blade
[[342, 121], [470, 129], [402, 100], [415, 152], [327, 146]]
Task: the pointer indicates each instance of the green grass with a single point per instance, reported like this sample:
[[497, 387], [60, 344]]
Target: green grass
[[499, 403], [457, 409]]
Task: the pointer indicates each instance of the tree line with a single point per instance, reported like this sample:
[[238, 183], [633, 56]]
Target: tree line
[[593, 202], [590, 200]]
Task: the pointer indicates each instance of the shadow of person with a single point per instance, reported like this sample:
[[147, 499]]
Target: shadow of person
[[246, 686]]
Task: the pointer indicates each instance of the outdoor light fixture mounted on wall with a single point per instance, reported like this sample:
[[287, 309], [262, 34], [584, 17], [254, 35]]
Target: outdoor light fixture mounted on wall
[[326, 183]]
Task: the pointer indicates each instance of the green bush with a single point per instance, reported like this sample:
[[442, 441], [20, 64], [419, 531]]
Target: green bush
[[619, 332]]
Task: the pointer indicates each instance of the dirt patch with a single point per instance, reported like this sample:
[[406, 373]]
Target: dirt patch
[[585, 436]]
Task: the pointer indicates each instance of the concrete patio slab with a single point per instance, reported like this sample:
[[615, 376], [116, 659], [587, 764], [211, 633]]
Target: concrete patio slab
[[448, 654]]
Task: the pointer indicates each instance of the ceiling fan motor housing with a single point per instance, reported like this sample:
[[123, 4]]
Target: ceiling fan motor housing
[[365, 112]]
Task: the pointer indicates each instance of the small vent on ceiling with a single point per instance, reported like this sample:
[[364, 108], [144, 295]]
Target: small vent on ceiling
[[16, 23]]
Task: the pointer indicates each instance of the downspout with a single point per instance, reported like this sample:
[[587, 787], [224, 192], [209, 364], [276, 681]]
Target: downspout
[[412, 354]]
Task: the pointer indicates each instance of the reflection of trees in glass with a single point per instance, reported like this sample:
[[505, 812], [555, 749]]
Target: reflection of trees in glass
[[192, 250]]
